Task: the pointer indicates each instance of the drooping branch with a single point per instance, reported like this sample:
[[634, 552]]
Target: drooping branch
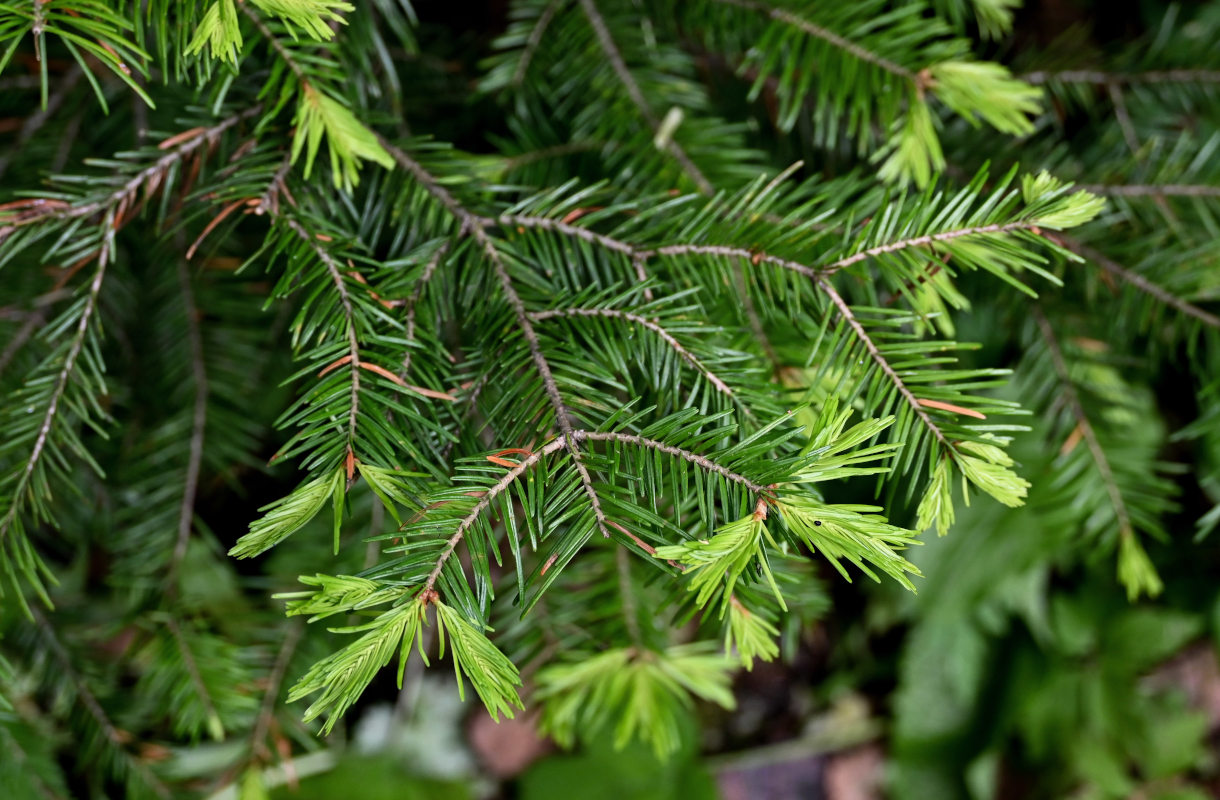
[[606, 41], [830, 37], [192, 668], [1105, 78], [560, 443], [413, 302], [477, 229], [353, 345], [665, 336], [199, 416], [122, 199], [846, 314], [924, 241], [1138, 281], [1084, 426], [492, 492], [1152, 190], [61, 380], [85, 696], [533, 41]]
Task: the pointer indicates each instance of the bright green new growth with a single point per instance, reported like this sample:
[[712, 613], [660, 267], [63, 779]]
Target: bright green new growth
[[639, 695], [350, 142]]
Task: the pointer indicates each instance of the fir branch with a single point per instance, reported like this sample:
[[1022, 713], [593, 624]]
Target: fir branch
[[28, 328], [756, 325], [192, 668], [846, 314], [554, 151], [289, 60], [1107, 78], [622, 563], [484, 502], [35, 121], [757, 256], [475, 227], [1072, 399], [724, 251], [562, 417], [86, 697], [665, 336], [1152, 190], [923, 241], [199, 417], [534, 39], [1135, 279], [554, 225], [1124, 117], [566, 441], [703, 462], [121, 200], [353, 346], [275, 680], [61, 381], [805, 26], [413, 302], [606, 41]]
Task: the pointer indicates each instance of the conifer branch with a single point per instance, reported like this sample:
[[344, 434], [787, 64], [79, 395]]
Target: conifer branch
[[1123, 116], [606, 41], [475, 226], [275, 680], [199, 416], [1138, 281], [116, 738], [757, 256], [192, 667], [665, 336], [846, 45], [289, 60], [566, 441], [724, 251], [562, 418], [533, 41], [424, 278], [121, 200], [554, 151], [353, 346], [554, 225], [1152, 190], [756, 325], [491, 493], [1086, 428], [1105, 78], [703, 462], [622, 563], [31, 324], [26, 472], [35, 121], [917, 408], [923, 241]]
